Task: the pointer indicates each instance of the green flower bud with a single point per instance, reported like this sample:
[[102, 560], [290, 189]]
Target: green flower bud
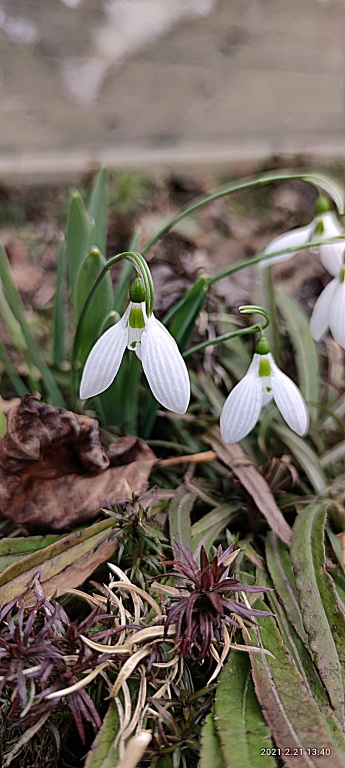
[[322, 205], [262, 346], [137, 291]]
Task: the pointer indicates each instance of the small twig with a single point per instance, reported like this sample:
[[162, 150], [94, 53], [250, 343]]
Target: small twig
[[195, 458]]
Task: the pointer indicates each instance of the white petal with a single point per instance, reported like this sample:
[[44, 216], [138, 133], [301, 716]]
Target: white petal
[[164, 367], [289, 400], [104, 359], [337, 314], [331, 256], [292, 239], [242, 407], [319, 321]]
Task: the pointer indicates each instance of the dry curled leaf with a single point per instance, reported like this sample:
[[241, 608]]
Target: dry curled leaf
[[54, 472]]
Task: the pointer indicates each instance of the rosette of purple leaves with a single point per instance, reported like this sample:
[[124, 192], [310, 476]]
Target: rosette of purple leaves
[[208, 600]]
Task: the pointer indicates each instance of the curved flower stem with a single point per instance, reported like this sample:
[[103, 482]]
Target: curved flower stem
[[141, 267], [319, 180], [266, 256], [257, 328], [245, 309]]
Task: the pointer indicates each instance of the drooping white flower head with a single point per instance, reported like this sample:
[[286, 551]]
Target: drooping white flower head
[[329, 311], [163, 364], [263, 382], [324, 226]]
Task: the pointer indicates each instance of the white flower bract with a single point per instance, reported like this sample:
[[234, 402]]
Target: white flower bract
[[163, 364], [329, 312], [243, 406], [330, 253]]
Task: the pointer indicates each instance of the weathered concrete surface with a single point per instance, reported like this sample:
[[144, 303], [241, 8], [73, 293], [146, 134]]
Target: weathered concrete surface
[[142, 81]]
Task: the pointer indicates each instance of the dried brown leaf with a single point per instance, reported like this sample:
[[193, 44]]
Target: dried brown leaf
[[54, 472]]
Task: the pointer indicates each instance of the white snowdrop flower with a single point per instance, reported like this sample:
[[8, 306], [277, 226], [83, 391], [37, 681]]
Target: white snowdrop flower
[[263, 382], [329, 311], [324, 226], [163, 364]]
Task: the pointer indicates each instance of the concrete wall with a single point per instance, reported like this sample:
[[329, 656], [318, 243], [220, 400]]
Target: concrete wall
[[128, 81]]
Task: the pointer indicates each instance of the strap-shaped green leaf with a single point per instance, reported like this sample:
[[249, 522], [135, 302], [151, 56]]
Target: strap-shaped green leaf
[[240, 724], [186, 312], [98, 210], [323, 618], [296, 722], [307, 359], [211, 755], [304, 454], [60, 309], [208, 529], [281, 572], [104, 753], [77, 239], [179, 519], [101, 302], [13, 550], [15, 302]]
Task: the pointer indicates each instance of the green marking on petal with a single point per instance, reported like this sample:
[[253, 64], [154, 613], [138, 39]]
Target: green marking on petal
[[264, 368], [319, 229], [136, 318]]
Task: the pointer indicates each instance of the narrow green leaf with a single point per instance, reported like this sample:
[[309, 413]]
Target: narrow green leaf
[[119, 404], [103, 753], [16, 304], [77, 238], [18, 340], [20, 388], [12, 550], [323, 618], [98, 209], [281, 572], [179, 519], [185, 313], [64, 564], [211, 751], [301, 656], [295, 720], [208, 529], [240, 724], [100, 304], [307, 359], [60, 309], [305, 455]]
